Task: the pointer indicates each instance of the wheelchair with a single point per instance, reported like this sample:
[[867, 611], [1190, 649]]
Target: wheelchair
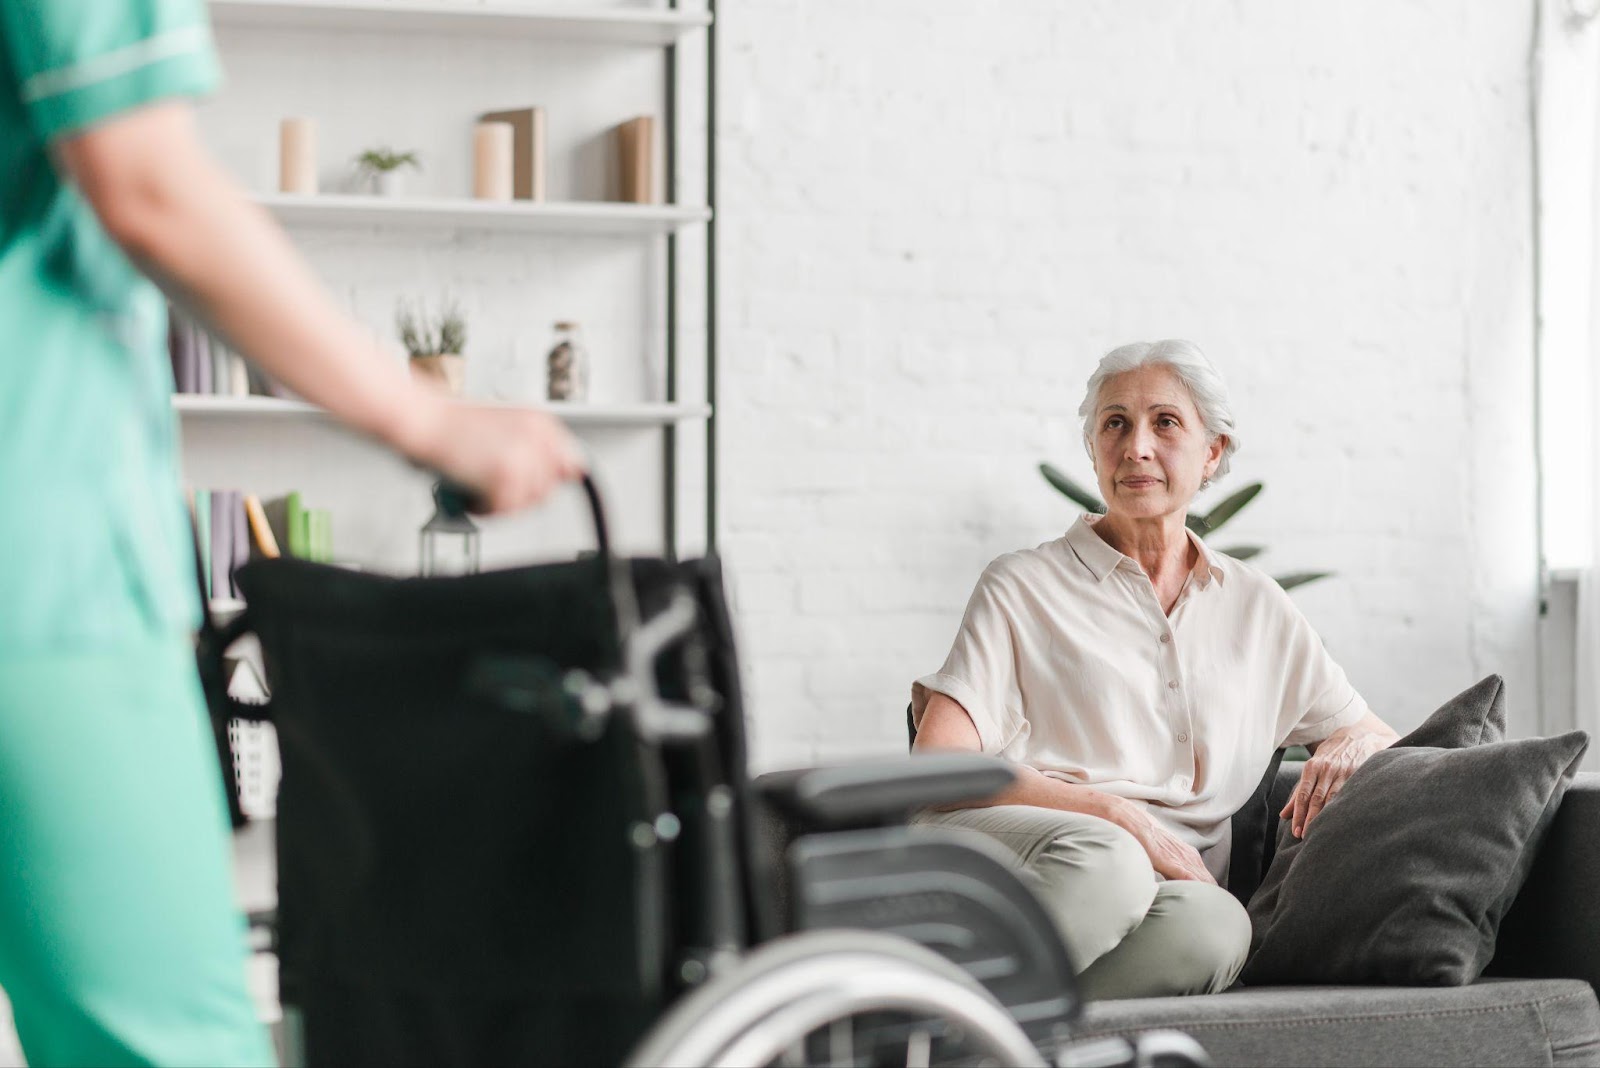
[[514, 826]]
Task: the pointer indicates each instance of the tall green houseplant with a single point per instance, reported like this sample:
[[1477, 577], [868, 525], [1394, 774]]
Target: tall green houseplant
[[1204, 525]]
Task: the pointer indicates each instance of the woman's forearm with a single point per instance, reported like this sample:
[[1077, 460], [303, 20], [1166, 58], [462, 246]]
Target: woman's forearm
[[1368, 726], [192, 228], [1034, 787], [945, 725]]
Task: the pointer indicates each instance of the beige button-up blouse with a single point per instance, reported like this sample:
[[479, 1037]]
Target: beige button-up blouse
[[1065, 661]]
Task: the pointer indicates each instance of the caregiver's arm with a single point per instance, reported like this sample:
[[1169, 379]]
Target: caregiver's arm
[[945, 725], [192, 229]]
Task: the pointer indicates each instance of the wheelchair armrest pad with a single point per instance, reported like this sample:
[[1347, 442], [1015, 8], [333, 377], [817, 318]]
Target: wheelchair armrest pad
[[884, 790]]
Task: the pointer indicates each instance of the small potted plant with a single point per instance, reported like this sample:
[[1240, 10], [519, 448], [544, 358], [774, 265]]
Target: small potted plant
[[380, 169], [434, 344]]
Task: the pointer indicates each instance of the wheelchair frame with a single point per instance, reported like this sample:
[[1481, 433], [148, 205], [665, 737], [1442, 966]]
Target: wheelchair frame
[[805, 887]]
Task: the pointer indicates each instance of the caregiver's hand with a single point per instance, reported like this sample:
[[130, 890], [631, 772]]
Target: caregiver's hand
[[1170, 855], [1336, 758], [511, 457]]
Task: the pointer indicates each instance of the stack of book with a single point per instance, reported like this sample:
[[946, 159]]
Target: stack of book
[[234, 527], [202, 363]]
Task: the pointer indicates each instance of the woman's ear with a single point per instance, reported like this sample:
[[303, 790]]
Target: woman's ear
[[1214, 454]]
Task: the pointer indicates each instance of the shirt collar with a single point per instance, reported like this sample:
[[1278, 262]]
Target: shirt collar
[[1101, 559]]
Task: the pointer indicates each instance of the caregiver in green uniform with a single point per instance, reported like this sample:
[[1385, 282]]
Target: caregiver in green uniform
[[119, 939]]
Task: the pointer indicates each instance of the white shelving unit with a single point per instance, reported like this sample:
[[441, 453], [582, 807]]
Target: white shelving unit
[[332, 59], [595, 415], [576, 217], [639, 27]]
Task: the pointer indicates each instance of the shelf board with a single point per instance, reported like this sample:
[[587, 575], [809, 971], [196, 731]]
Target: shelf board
[[613, 26], [571, 217], [596, 415]]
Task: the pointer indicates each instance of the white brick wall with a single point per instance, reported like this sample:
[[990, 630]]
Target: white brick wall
[[936, 216]]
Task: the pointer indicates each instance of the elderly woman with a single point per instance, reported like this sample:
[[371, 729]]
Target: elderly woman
[[1140, 682]]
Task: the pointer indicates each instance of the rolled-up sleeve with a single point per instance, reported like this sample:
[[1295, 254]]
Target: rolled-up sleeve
[[1316, 696], [79, 62], [980, 674]]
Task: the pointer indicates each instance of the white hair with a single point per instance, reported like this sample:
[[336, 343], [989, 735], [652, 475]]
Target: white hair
[[1193, 369]]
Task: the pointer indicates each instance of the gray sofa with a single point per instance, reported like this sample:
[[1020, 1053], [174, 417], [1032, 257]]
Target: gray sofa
[[1536, 1005]]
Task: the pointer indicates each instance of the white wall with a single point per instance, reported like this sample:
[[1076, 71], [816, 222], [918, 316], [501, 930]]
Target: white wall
[[937, 214]]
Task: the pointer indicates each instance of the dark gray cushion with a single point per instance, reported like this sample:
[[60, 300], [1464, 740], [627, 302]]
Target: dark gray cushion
[[1405, 876], [1553, 929], [1473, 716], [1491, 1022]]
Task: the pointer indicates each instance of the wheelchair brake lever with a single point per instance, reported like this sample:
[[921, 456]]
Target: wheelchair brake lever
[[658, 633]]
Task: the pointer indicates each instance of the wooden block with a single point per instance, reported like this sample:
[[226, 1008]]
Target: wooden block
[[636, 158], [527, 150]]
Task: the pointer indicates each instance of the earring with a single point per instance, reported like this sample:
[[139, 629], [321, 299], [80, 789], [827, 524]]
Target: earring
[[1205, 482]]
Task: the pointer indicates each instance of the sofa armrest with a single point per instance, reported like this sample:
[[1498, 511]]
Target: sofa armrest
[[1553, 928]]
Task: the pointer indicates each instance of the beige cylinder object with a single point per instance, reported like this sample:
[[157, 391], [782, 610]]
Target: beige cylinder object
[[297, 156], [492, 160]]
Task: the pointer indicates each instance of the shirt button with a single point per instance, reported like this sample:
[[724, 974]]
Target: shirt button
[[1173, 685], [1166, 638], [1183, 737]]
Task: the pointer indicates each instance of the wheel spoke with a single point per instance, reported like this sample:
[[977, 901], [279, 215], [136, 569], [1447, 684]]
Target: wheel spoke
[[841, 1043], [918, 1049]]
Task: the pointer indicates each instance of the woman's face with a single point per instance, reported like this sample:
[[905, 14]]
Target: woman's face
[[1150, 448]]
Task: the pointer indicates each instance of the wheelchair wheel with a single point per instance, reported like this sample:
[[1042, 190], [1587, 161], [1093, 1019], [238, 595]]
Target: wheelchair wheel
[[837, 998]]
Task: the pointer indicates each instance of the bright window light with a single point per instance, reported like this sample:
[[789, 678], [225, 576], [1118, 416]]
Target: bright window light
[[1568, 443]]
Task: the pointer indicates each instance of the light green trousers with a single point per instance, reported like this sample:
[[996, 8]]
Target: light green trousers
[[1128, 933], [120, 943]]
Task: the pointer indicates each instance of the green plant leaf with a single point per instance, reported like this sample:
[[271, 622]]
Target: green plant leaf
[[1242, 552], [1197, 523], [1230, 507], [381, 160], [1300, 578], [1070, 489]]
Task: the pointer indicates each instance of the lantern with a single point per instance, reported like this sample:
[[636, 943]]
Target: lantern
[[449, 541]]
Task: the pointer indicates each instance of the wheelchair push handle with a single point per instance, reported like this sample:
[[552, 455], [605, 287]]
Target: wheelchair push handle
[[456, 500]]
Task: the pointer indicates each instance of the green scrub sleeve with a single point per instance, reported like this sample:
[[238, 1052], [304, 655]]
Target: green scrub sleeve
[[79, 62]]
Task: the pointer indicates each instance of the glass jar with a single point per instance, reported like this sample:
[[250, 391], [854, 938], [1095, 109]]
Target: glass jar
[[568, 365]]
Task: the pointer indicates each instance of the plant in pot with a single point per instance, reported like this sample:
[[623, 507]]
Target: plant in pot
[[434, 343], [382, 169], [1201, 524]]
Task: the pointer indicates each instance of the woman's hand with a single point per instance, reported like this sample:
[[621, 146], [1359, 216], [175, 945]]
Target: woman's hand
[[1335, 760], [512, 457], [1170, 856]]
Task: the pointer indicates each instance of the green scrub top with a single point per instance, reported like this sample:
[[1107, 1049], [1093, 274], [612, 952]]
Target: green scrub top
[[95, 549]]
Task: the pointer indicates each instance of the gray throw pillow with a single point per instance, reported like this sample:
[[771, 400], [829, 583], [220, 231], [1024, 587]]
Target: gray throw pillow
[[1472, 717], [1404, 878]]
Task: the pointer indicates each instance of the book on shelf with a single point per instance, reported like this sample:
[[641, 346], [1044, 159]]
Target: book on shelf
[[206, 365], [202, 358], [527, 150], [221, 543], [201, 506], [266, 542], [297, 530], [232, 528], [636, 159], [239, 554]]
